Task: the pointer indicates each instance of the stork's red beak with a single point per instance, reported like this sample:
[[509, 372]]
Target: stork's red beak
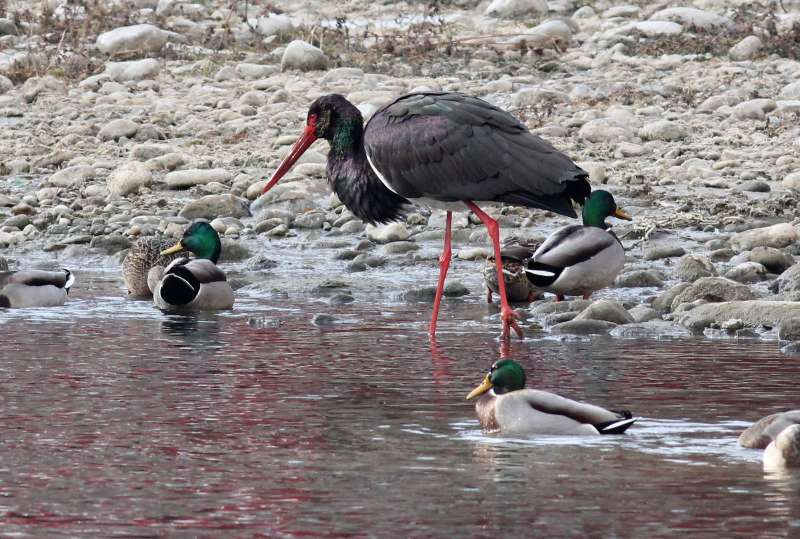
[[306, 139]]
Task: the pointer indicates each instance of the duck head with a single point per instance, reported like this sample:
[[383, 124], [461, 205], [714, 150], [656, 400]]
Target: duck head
[[200, 239], [598, 207], [504, 376], [330, 117]]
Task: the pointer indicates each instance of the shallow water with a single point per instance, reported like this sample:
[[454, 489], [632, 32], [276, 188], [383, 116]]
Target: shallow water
[[118, 420]]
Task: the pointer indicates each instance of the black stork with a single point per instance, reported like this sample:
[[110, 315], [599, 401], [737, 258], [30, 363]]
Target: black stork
[[446, 150]]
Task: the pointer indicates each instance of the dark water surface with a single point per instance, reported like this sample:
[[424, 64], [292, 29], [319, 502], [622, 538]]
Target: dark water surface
[[119, 421]]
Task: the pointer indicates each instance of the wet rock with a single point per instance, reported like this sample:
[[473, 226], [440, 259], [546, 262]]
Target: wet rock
[[791, 349], [400, 247], [353, 227], [713, 290], [775, 260], [549, 307], [692, 267], [278, 231], [721, 255], [747, 272], [138, 38], [182, 179], [746, 49], [234, 251], [212, 206], [663, 303], [117, 129], [110, 244], [507, 9], [329, 286], [387, 233], [128, 178], [558, 318], [268, 224], [323, 319], [788, 281], [639, 278], [779, 235], [754, 109], [133, 70], [584, 327], [259, 262], [663, 130], [643, 313], [341, 299], [425, 294], [311, 219], [72, 176], [789, 329], [732, 325], [755, 313], [664, 251], [303, 56], [608, 310], [455, 289], [356, 266]]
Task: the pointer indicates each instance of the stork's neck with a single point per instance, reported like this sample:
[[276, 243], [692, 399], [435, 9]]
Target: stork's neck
[[352, 179], [348, 137]]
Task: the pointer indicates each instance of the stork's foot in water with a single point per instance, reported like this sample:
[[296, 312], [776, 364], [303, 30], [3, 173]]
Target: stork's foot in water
[[488, 295], [559, 297], [509, 318], [587, 296]]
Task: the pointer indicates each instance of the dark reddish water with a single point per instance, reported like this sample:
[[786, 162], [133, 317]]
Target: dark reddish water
[[117, 420]]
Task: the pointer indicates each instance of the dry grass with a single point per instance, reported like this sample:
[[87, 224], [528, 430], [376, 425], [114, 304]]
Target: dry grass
[[754, 19]]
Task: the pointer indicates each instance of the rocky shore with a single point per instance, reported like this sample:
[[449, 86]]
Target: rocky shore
[[123, 122]]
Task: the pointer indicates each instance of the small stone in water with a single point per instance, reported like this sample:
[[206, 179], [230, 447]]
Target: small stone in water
[[455, 290], [263, 322], [323, 320]]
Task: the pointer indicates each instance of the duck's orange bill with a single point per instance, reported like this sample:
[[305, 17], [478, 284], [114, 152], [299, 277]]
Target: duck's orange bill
[[485, 386], [619, 213], [306, 139]]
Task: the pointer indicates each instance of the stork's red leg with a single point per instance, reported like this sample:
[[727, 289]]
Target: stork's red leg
[[559, 297], [587, 296], [444, 264], [507, 315]]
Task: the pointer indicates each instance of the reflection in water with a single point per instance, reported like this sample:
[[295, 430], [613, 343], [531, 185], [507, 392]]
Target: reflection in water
[[118, 419]]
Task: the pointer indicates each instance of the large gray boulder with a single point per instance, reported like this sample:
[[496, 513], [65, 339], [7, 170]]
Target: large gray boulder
[[607, 310], [138, 38], [713, 290], [128, 178], [755, 313], [692, 267], [303, 56], [780, 235]]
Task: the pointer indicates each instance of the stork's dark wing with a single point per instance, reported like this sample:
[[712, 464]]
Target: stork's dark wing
[[450, 146]]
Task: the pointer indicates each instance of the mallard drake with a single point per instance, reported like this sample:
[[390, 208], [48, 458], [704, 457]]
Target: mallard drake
[[194, 284], [514, 254], [779, 436], [144, 255], [506, 406], [34, 288], [577, 260]]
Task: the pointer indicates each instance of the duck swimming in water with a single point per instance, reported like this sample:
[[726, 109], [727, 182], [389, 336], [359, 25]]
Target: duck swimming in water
[[504, 405], [33, 288]]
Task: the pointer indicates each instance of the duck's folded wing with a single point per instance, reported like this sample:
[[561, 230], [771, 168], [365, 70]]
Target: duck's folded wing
[[34, 278], [205, 271], [550, 403], [572, 245], [762, 432]]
